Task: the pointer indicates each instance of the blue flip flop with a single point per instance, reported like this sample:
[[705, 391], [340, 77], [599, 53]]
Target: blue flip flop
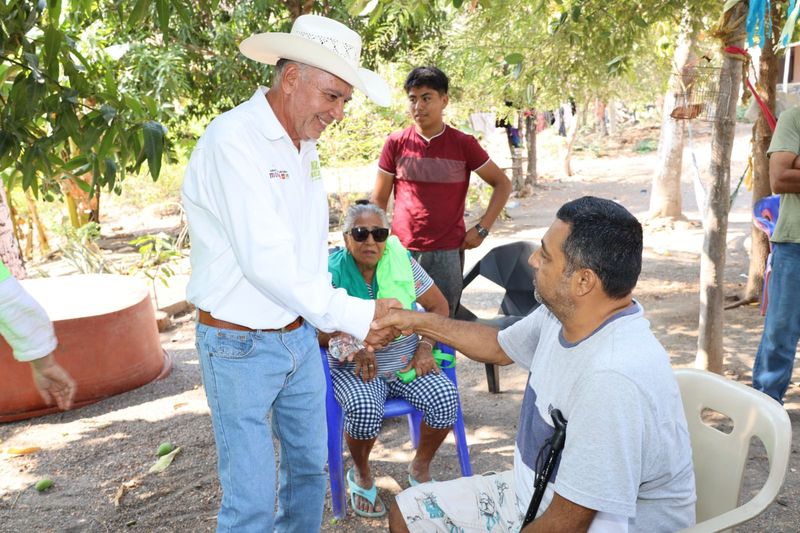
[[371, 495], [413, 482]]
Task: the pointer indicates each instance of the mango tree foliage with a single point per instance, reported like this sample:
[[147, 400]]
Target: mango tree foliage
[[65, 112]]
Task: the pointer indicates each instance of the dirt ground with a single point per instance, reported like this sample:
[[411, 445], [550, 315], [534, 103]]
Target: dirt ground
[[98, 456]]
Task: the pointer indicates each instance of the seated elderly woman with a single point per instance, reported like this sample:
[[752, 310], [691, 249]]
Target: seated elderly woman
[[374, 265]]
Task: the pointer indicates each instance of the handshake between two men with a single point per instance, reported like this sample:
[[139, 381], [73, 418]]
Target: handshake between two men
[[476, 341]]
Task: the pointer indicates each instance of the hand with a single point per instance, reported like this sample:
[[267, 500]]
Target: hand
[[471, 240], [423, 361], [384, 305], [377, 338], [365, 365], [400, 320], [53, 382]]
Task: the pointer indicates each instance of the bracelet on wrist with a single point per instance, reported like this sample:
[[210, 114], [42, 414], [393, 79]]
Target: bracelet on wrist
[[425, 341]]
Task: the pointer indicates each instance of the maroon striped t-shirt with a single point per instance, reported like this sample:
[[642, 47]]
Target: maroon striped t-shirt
[[430, 185]]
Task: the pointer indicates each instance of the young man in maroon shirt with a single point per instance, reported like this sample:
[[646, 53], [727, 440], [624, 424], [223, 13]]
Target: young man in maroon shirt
[[428, 166]]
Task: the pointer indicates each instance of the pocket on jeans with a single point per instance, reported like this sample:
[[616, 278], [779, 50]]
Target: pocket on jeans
[[230, 344]]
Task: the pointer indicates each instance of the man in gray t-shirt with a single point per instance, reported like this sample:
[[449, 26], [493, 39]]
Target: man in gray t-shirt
[[626, 464]]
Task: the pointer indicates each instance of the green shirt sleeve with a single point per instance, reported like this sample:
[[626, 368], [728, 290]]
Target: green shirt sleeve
[[787, 133], [787, 139]]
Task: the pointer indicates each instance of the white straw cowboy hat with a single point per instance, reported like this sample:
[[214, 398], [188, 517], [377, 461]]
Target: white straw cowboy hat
[[322, 43]]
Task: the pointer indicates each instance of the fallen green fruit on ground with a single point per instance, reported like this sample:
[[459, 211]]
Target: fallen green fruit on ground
[[164, 448], [164, 461], [44, 484]]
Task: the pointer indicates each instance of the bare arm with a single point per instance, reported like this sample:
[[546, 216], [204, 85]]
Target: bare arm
[[784, 172], [562, 515], [476, 341], [434, 302], [382, 189], [501, 189]]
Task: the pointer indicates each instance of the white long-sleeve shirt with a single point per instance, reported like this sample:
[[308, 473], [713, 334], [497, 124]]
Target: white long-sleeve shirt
[[24, 324], [258, 222]]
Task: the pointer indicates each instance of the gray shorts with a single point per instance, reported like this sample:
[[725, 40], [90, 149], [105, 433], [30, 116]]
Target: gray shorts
[[446, 267]]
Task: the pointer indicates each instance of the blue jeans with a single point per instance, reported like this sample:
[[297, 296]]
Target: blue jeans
[[772, 370], [250, 378]]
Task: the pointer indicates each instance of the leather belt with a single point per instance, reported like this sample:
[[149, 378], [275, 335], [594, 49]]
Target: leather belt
[[205, 318]]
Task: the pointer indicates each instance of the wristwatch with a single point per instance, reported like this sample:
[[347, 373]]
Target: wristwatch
[[483, 232]]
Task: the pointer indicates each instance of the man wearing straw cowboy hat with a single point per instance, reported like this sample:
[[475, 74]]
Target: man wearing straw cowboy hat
[[258, 219]]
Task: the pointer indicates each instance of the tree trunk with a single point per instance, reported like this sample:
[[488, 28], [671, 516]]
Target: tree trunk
[[10, 253], [530, 138], [715, 218], [665, 195], [569, 141], [517, 176], [762, 135], [612, 117], [600, 117], [300, 7]]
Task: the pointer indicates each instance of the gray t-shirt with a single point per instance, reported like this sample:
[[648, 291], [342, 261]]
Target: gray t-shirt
[[627, 452]]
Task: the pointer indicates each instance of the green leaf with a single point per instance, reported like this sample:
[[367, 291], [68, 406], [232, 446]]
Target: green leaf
[[82, 185], [183, 12], [639, 21], [356, 7], [458, 3], [68, 120], [52, 47], [153, 147], [576, 13], [108, 113], [137, 13], [110, 173], [29, 179], [54, 11], [105, 144], [514, 59], [76, 163], [7, 143], [162, 10], [133, 104], [33, 64]]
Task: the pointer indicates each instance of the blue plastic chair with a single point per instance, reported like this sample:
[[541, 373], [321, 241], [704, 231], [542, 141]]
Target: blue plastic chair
[[765, 216], [393, 407]]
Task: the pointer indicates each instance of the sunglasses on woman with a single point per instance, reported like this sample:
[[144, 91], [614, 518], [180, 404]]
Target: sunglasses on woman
[[361, 234]]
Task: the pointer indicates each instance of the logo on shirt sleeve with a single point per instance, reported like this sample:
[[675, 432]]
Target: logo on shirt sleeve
[[316, 173]]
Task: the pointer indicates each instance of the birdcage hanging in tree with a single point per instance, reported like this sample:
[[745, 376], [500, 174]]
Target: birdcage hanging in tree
[[698, 95]]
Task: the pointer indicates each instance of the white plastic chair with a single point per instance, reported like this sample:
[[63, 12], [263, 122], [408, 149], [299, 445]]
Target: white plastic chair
[[719, 458]]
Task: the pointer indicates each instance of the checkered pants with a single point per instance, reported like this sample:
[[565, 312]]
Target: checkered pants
[[362, 403]]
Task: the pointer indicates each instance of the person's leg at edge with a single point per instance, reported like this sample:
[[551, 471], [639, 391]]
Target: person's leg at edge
[[298, 421], [772, 370], [436, 396], [242, 373], [429, 441], [362, 404], [359, 451], [397, 524]]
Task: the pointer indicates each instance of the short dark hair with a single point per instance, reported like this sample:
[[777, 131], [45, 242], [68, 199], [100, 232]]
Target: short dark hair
[[427, 77], [605, 238]]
